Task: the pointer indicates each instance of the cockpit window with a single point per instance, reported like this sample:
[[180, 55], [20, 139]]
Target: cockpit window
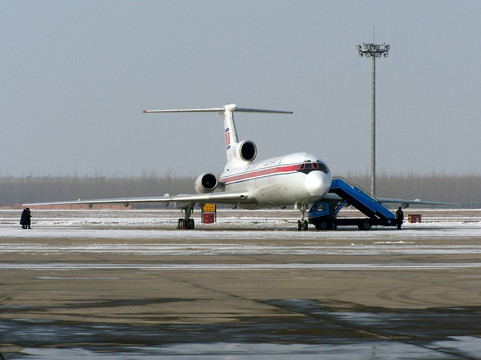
[[307, 166], [323, 167]]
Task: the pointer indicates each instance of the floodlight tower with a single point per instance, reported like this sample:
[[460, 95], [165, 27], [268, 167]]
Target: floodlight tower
[[374, 51]]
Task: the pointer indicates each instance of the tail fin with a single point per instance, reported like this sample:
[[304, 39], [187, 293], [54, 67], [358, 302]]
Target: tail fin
[[230, 132]]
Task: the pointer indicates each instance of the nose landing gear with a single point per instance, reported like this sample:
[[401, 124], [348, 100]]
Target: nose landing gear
[[302, 224]]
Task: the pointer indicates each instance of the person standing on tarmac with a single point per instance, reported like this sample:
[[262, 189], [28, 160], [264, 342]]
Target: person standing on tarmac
[[25, 219], [399, 218]]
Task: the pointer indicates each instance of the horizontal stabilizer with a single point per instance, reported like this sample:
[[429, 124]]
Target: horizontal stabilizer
[[263, 111], [183, 110], [228, 107]]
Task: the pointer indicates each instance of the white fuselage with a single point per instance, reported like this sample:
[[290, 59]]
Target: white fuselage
[[294, 179], [297, 178]]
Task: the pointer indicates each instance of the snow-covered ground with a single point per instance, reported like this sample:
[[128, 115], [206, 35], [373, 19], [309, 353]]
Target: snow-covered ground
[[280, 224], [150, 232]]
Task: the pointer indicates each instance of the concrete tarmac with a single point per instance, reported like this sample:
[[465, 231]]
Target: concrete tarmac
[[386, 286]]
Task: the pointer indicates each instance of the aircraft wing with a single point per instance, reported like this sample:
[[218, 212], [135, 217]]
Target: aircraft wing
[[405, 203], [215, 197]]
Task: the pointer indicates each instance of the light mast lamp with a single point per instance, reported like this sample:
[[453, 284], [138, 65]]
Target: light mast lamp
[[373, 51]]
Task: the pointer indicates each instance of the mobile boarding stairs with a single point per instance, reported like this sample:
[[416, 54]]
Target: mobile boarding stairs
[[323, 215]]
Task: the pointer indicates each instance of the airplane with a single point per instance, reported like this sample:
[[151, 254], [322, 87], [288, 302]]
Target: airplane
[[298, 179]]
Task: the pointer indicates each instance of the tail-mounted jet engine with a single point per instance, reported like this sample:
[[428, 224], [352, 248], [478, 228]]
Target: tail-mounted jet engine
[[205, 183], [247, 150]]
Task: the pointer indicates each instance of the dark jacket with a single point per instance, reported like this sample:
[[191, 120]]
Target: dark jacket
[[25, 218], [399, 216]]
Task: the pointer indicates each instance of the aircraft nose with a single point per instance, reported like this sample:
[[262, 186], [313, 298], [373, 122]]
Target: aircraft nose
[[317, 183]]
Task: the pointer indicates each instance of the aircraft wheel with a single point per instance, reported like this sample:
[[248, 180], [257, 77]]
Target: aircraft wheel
[[180, 224], [302, 225], [190, 224]]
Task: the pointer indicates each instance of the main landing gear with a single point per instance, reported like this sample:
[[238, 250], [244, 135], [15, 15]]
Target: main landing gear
[[302, 224], [186, 223]]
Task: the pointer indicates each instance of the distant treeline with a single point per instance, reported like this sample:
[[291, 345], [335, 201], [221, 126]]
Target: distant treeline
[[43, 189], [457, 189], [464, 189]]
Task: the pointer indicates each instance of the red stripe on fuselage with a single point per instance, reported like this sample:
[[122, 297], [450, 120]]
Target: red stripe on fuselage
[[258, 173]]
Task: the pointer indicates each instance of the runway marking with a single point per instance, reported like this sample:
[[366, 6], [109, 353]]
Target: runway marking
[[75, 278], [236, 249], [227, 267]]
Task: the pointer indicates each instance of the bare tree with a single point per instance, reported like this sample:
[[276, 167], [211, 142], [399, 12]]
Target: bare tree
[[456, 189]]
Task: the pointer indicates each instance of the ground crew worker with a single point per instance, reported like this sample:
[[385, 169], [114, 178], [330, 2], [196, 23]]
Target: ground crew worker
[[25, 218], [399, 217]]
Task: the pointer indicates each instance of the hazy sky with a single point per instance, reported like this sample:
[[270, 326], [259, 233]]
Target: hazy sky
[[76, 76]]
